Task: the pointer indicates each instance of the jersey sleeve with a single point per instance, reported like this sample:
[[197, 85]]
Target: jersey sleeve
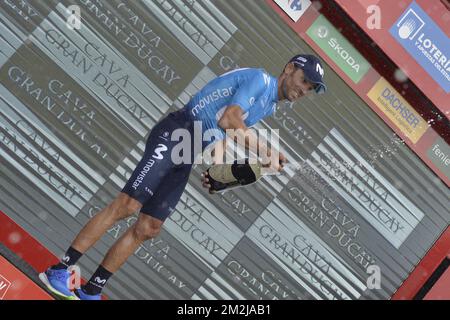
[[249, 90]]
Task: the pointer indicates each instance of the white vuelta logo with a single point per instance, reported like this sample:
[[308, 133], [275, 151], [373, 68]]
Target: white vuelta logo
[[294, 8]]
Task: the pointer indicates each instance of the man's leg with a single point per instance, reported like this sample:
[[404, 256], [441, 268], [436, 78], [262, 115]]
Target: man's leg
[[141, 186], [136, 191], [145, 228], [122, 207], [153, 214], [56, 277]]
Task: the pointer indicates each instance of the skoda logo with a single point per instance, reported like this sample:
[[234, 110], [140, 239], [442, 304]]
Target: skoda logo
[[322, 32]]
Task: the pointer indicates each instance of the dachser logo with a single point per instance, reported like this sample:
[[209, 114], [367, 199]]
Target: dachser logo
[[4, 286]]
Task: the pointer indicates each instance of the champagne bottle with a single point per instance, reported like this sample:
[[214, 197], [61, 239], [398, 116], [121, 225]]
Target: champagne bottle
[[227, 176]]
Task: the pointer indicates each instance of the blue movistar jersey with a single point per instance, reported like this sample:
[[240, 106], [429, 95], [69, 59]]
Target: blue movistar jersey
[[254, 90]]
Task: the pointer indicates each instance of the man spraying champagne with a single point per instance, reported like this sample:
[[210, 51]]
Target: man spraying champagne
[[233, 101]]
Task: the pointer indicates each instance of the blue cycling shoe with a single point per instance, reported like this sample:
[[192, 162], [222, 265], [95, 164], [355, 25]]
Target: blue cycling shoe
[[84, 296], [56, 280]]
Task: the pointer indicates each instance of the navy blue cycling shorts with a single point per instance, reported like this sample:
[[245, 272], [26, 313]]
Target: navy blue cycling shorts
[[157, 183]]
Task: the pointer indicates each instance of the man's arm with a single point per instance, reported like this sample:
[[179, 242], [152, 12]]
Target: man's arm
[[232, 119], [218, 152]]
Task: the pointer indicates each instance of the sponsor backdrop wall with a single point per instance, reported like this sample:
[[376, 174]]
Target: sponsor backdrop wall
[[76, 106], [373, 88], [415, 35]]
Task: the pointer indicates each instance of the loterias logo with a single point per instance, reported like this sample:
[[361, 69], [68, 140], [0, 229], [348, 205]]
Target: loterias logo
[[338, 49], [294, 8], [410, 25], [422, 38]]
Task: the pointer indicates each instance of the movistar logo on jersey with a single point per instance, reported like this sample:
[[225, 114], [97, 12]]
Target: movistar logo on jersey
[[100, 281], [161, 148], [157, 155], [212, 97]]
